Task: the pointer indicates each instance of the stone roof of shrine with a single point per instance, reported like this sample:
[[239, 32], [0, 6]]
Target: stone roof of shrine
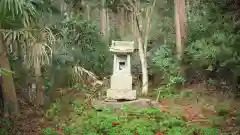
[[122, 46]]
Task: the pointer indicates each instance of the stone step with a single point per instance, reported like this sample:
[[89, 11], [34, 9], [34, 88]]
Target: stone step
[[138, 103], [121, 94]]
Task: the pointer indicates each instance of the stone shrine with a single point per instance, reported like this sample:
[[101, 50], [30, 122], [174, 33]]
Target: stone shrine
[[120, 92], [121, 79]]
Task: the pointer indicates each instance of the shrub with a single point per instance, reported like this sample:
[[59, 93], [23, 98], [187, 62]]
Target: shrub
[[128, 121]]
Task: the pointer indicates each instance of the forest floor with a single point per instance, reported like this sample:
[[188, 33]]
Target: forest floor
[[30, 122], [206, 108], [194, 105]]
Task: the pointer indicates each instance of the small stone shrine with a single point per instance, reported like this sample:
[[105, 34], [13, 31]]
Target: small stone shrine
[[121, 79], [120, 92]]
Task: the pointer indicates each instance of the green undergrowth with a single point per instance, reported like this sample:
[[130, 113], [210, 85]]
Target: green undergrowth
[[5, 126], [125, 121]]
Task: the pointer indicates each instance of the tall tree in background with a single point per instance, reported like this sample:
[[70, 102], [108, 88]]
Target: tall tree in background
[[13, 14], [19, 20], [142, 37], [8, 83], [181, 32], [103, 17]]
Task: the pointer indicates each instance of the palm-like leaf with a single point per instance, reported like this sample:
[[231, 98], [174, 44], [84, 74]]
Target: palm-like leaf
[[40, 50], [23, 13], [17, 13], [20, 21]]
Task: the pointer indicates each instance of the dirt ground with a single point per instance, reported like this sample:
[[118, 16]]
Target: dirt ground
[[201, 108]]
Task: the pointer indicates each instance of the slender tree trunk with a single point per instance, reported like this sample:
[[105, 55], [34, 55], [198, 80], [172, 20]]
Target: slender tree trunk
[[142, 55], [143, 60], [118, 25], [133, 27], [180, 20], [103, 18], [39, 84], [88, 10], [108, 24], [21, 71], [149, 13], [143, 46], [188, 9], [38, 74], [121, 22], [8, 82], [147, 30]]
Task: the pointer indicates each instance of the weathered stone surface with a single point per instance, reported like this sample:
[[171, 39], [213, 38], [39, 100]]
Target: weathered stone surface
[[139, 103], [121, 81], [122, 46], [121, 94]]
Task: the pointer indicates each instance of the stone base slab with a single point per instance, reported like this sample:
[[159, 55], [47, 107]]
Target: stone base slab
[[121, 81], [121, 94], [139, 103]]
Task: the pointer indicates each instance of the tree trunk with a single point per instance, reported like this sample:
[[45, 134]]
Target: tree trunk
[[39, 83], [143, 46], [142, 55], [88, 12], [108, 25], [5, 104], [147, 30], [103, 18], [149, 13], [188, 9], [22, 73], [133, 27], [180, 20], [8, 82], [121, 22], [143, 60]]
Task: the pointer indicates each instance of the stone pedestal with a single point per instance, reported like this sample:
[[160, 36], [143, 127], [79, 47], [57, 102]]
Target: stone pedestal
[[121, 81], [139, 103], [121, 87], [121, 94]]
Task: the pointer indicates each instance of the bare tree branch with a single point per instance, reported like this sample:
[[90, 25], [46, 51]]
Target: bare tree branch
[[126, 7], [149, 16]]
